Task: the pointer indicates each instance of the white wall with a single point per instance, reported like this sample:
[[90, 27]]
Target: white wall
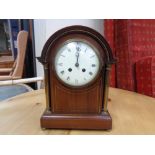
[[43, 29]]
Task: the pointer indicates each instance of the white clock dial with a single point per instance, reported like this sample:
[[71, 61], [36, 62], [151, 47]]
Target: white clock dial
[[76, 63]]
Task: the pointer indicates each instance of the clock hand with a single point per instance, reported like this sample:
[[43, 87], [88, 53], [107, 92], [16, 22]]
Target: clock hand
[[77, 58]]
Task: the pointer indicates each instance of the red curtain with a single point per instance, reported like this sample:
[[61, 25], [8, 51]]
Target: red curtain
[[130, 40]]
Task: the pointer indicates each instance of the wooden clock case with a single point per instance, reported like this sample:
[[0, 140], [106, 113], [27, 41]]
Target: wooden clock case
[[82, 107]]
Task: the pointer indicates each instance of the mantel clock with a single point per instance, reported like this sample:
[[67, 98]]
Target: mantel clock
[[76, 61]]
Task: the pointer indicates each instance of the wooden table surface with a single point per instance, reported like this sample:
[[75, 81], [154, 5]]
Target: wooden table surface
[[132, 113]]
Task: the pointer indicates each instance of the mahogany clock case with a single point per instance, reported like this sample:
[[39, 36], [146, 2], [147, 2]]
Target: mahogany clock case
[[70, 107]]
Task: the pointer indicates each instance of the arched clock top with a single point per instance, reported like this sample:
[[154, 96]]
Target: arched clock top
[[77, 30]]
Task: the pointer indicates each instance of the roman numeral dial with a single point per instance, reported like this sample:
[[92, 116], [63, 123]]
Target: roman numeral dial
[[76, 63]]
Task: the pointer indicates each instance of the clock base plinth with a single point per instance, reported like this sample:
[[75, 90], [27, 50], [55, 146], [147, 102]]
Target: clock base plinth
[[76, 121]]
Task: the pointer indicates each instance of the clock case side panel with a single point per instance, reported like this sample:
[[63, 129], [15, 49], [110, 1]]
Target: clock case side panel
[[47, 88]]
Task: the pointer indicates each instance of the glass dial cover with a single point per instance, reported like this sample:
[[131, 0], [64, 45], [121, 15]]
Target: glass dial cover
[[77, 63]]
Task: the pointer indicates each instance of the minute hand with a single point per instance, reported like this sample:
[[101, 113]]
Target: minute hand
[[77, 59]]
